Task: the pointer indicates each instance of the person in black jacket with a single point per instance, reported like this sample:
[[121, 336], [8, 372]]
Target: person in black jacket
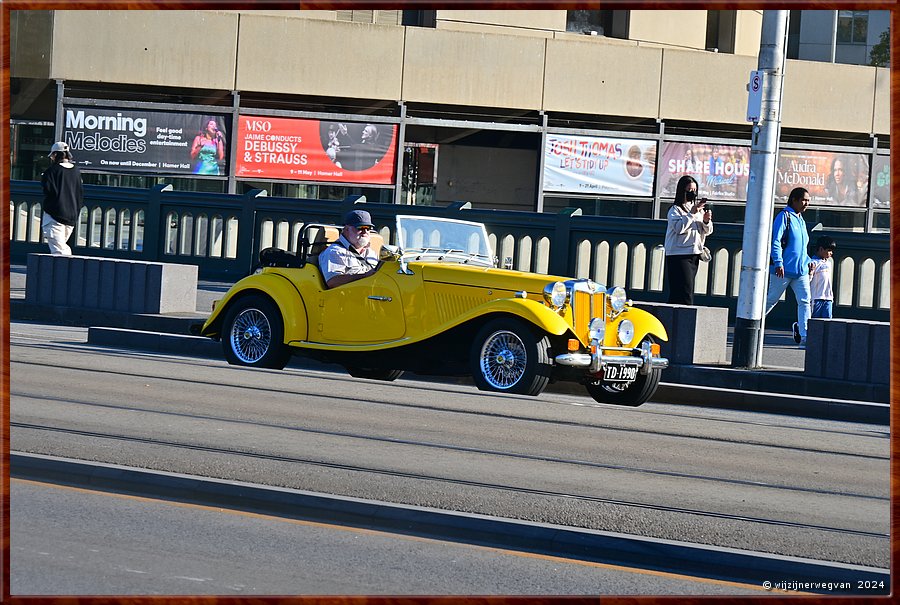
[[63, 198]]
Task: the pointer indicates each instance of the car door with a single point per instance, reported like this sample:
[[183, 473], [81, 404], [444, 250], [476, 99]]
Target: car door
[[366, 311]]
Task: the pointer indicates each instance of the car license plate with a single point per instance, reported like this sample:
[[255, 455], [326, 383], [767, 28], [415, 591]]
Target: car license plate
[[613, 373]]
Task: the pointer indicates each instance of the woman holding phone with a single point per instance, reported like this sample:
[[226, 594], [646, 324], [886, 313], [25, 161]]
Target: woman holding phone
[[689, 222]]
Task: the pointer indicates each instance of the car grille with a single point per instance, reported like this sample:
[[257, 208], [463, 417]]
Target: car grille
[[583, 311]]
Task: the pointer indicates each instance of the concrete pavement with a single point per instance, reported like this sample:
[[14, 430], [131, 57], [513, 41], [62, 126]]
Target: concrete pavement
[[778, 387], [603, 547]]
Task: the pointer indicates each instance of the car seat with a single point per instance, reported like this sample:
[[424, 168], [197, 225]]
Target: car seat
[[314, 239]]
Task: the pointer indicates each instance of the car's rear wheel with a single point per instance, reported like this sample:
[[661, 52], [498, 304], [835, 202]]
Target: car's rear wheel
[[509, 356], [253, 334], [374, 373], [632, 394]]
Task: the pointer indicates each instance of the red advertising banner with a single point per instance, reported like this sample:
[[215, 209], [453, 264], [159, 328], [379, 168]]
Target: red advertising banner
[[833, 179], [311, 150], [722, 171]]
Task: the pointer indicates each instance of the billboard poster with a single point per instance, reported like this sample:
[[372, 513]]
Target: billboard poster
[[722, 171], [117, 139], [833, 179], [599, 165], [313, 150], [881, 181]]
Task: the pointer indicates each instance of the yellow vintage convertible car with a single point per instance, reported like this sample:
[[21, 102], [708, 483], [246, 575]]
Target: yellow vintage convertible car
[[437, 304]]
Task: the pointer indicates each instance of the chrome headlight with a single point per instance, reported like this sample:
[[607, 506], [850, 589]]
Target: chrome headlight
[[597, 329], [626, 332], [617, 298], [556, 295]]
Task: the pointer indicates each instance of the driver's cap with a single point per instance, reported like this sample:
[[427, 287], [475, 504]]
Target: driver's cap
[[359, 218], [59, 146]]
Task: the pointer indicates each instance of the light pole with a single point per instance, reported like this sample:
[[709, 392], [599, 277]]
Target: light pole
[[750, 321]]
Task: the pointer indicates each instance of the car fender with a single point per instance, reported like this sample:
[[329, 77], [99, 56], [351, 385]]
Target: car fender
[[644, 323], [529, 310], [279, 289]]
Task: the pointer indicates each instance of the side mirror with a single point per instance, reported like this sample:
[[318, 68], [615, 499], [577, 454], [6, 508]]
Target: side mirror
[[388, 252]]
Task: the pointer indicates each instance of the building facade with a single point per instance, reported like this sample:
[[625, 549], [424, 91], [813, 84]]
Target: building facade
[[524, 110]]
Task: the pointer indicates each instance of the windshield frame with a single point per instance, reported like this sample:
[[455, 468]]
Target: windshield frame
[[458, 253]]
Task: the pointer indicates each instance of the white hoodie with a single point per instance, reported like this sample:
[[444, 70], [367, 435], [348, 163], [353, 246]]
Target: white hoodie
[[685, 232]]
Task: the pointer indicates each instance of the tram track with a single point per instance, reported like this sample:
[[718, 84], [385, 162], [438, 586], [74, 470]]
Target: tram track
[[732, 479], [446, 447], [338, 397], [455, 481]]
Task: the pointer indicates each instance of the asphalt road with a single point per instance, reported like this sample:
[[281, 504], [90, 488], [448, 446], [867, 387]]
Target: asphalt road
[[790, 486], [68, 541]]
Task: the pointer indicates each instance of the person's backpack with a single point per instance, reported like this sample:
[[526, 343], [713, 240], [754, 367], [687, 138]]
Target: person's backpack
[[784, 243]]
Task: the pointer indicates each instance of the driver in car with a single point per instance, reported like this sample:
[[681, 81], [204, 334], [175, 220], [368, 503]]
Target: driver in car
[[350, 258]]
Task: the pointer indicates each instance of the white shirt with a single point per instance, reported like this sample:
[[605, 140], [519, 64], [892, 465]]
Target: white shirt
[[820, 279], [685, 232], [338, 259]]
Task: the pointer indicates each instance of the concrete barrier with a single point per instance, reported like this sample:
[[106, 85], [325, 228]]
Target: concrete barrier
[[849, 349], [697, 335], [110, 284]]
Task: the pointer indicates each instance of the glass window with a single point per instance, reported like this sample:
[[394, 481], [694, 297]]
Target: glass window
[[140, 181], [720, 30], [30, 144], [852, 27], [839, 220], [722, 213], [419, 18], [312, 191], [628, 208], [881, 221], [612, 24]]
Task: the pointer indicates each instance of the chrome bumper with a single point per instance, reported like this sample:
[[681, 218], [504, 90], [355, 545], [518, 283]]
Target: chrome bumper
[[640, 357]]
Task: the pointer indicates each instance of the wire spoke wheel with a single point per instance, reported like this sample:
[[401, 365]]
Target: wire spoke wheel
[[503, 359], [251, 335], [510, 356]]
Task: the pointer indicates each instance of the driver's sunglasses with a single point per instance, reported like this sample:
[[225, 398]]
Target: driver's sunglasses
[[363, 229]]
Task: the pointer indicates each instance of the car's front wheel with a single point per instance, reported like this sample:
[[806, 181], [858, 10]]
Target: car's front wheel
[[253, 334], [632, 394], [510, 356]]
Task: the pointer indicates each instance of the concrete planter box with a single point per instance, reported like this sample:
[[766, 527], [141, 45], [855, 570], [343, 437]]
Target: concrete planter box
[[697, 335], [849, 349], [111, 284]]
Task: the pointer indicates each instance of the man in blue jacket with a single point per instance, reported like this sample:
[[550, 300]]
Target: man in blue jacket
[[790, 260]]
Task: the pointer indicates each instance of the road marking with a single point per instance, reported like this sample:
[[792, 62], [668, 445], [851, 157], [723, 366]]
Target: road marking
[[381, 533]]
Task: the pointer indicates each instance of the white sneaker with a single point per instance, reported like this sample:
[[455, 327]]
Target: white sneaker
[[796, 331]]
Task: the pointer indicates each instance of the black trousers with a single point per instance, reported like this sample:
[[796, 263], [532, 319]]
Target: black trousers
[[681, 270]]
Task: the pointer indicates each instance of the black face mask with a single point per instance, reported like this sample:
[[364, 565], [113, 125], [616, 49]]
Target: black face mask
[[690, 195]]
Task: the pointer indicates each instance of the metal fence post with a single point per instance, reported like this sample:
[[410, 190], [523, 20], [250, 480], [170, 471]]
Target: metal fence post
[[153, 245], [348, 203], [246, 243], [559, 248], [456, 207]]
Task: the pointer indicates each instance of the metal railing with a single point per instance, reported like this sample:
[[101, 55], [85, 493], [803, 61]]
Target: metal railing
[[209, 230]]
